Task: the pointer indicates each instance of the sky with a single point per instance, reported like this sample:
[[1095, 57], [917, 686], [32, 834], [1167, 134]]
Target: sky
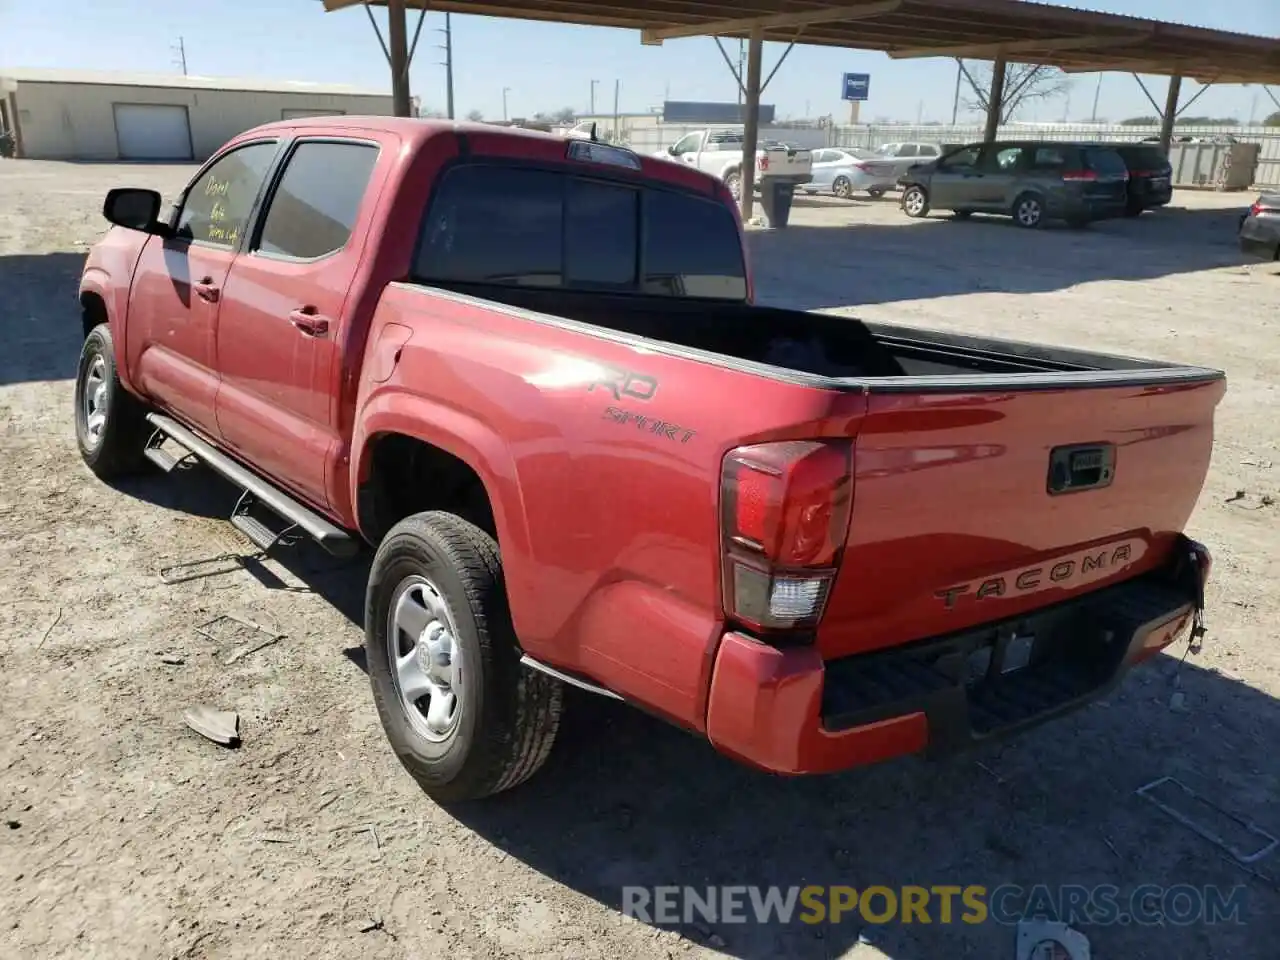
[[545, 67]]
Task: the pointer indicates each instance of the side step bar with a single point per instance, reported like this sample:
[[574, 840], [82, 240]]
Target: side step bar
[[568, 678], [333, 539]]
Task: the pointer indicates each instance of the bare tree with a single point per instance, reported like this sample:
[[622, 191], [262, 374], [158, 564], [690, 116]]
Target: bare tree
[[475, 116], [1023, 83]]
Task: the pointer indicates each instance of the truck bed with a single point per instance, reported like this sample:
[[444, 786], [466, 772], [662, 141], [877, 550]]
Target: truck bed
[[838, 351]]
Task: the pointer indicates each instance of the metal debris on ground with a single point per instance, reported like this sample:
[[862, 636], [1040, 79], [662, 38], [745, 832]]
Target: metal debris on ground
[[226, 632], [195, 569], [1180, 791], [220, 726], [1250, 501], [49, 629], [1049, 940], [172, 660]]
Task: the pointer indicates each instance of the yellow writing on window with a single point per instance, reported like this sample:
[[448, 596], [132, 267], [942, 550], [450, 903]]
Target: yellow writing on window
[[217, 188]]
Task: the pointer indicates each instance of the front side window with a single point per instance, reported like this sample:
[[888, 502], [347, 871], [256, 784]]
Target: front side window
[[966, 157], [907, 150], [314, 206], [926, 150], [217, 206], [502, 225], [1007, 159], [687, 144]]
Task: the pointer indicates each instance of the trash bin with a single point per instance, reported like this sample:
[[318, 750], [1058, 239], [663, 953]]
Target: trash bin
[[776, 197]]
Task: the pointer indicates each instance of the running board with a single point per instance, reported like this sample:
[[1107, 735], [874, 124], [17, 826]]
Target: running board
[[261, 492], [568, 678]]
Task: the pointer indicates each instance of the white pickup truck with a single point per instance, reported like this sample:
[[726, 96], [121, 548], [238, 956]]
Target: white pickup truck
[[719, 152]]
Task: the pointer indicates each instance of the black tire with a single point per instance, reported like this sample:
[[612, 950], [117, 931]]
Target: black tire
[[915, 202], [508, 715], [842, 188], [962, 214], [115, 448], [877, 192], [1028, 211], [733, 180], [1134, 208]]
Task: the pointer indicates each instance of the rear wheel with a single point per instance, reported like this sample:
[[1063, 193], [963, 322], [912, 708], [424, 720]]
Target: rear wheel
[[915, 202], [876, 192], [462, 714], [1028, 211], [842, 187], [111, 425], [1134, 208]]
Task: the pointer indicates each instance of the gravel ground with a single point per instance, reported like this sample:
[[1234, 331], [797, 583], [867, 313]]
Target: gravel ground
[[128, 836]]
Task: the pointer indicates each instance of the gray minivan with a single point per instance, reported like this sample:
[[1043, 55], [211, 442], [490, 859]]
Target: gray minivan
[[1031, 181]]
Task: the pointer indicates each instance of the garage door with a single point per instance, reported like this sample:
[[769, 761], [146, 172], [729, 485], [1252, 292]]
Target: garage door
[[148, 131]]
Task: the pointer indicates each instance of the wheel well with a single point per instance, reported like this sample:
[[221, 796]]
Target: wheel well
[[408, 476], [93, 311]]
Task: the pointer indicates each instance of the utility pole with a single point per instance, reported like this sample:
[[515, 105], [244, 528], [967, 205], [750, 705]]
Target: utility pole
[[955, 103], [617, 87], [742, 68], [505, 91], [592, 111], [1096, 91], [448, 63], [181, 51]]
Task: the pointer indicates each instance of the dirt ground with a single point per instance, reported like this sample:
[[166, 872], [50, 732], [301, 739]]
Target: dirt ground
[[128, 836]]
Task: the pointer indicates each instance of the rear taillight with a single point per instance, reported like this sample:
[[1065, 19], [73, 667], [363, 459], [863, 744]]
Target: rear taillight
[[784, 516], [1077, 175], [763, 162], [1256, 209]]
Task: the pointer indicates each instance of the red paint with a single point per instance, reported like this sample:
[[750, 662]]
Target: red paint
[[609, 521]]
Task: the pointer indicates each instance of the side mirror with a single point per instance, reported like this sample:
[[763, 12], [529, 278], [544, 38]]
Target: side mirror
[[672, 150], [134, 208]]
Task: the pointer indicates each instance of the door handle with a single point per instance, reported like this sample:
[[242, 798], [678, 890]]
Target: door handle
[[206, 289], [309, 322]]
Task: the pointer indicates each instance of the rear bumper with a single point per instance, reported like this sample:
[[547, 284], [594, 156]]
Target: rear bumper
[[788, 711], [1259, 239]]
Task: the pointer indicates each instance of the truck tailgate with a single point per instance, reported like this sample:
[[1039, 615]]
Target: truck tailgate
[[786, 162], [970, 507]]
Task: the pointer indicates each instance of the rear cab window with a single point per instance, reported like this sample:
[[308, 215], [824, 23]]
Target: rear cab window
[[501, 224]]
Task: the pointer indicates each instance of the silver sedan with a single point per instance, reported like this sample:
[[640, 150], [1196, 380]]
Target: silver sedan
[[849, 170]]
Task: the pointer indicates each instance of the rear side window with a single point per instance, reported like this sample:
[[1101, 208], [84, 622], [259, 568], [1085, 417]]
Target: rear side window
[[1049, 158], [315, 204], [1105, 162], [498, 224], [928, 151], [1143, 158], [907, 150]]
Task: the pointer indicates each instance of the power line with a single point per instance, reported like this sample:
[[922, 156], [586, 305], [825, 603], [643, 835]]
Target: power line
[[180, 51]]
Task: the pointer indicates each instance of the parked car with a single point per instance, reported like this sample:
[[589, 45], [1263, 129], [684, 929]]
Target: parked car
[[529, 371], [1260, 228], [1031, 181], [719, 153], [849, 170], [1150, 176]]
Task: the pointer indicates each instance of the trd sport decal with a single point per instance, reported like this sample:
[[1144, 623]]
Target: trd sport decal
[[638, 386], [625, 383], [654, 425]]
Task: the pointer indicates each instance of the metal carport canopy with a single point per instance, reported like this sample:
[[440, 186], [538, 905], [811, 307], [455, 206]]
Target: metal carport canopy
[[998, 30]]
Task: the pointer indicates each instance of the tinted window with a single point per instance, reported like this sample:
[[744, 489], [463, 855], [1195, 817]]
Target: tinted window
[[1049, 158], [315, 204], [600, 233], [1006, 159], [691, 248], [503, 225], [1143, 158], [1105, 161], [217, 205], [961, 158], [928, 151], [907, 150]]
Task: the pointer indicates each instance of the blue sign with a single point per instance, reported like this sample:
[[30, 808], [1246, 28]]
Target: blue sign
[[856, 86]]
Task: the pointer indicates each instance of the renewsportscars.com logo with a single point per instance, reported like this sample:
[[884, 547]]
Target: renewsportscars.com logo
[[1104, 905]]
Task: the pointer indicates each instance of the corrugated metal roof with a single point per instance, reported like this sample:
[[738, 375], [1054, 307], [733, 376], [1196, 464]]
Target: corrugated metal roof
[[109, 78]]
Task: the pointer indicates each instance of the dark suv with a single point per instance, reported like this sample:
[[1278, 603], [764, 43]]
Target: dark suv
[[1150, 176], [1031, 181]]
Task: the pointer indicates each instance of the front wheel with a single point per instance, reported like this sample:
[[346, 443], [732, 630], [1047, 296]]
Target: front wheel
[[915, 202], [1028, 211], [462, 714], [842, 188], [876, 192], [111, 425], [733, 180]]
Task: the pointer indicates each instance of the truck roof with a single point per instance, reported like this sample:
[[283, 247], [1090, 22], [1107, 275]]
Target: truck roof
[[542, 146]]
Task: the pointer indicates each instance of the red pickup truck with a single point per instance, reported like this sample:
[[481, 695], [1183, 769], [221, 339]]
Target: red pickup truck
[[530, 372]]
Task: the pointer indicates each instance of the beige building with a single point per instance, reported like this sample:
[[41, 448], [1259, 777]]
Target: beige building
[[74, 115]]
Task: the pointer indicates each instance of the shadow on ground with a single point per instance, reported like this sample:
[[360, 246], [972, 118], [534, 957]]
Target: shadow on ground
[[811, 267], [39, 316]]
